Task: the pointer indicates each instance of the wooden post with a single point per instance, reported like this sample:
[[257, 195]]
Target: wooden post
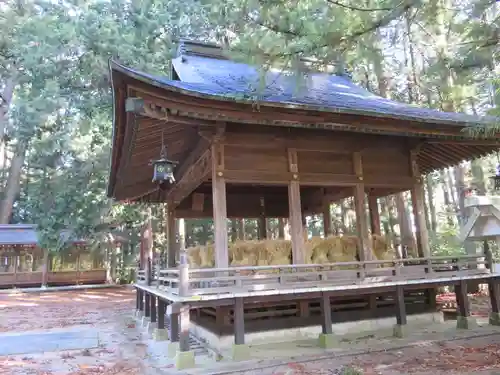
[[494, 292], [174, 327], [171, 238], [401, 319], [374, 214], [417, 200], [45, 268], [327, 219], [161, 314], [241, 229], [239, 322], [183, 274], [281, 228], [147, 305], [365, 242], [326, 339], [219, 207], [262, 227], [137, 300], [153, 311], [463, 310], [326, 310], [296, 230], [184, 329], [141, 299]]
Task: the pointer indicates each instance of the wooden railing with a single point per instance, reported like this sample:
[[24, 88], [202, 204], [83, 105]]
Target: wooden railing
[[183, 281]]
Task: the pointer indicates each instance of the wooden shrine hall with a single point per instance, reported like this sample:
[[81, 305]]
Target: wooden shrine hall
[[282, 150]]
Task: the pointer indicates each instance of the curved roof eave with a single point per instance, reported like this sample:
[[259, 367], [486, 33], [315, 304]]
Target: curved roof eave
[[189, 89]]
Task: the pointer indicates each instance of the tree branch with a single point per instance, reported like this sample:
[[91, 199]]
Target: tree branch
[[350, 7]]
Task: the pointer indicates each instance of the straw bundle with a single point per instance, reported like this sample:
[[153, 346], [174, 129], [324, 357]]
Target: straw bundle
[[332, 249]]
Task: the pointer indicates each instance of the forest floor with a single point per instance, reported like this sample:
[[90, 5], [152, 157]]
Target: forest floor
[[122, 348]]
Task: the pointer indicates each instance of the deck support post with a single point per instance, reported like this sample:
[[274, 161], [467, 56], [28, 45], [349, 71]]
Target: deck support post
[[184, 358], [140, 303], [494, 292], [365, 248], [464, 320], [417, 201], [401, 319], [240, 350], [153, 312], [160, 333], [326, 337], [295, 210], [147, 309], [219, 207]]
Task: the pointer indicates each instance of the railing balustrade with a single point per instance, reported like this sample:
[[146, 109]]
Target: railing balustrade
[[184, 281]]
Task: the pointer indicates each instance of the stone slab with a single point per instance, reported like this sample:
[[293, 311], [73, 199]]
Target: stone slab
[[26, 343]]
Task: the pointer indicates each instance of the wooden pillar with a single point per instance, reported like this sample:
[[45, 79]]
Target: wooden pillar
[[365, 242], [140, 293], [241, 229], [374, 214], [494, 292], [326, 310], [184, 324], [147, 305], [152, 299], [417, 200], [296, 230], [463, 309], [161, 314], [262, 227], [239, 322], [174, 327], [281, 228], [171, 239], [327, 219], [219, 207], [137, 300], [401, 319]]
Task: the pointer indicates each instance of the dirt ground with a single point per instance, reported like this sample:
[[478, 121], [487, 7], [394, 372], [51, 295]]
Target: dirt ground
[[122, 349]]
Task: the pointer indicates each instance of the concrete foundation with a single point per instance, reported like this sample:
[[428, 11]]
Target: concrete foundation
[[145, 321], [494, 319], [327, 341], [225, 343], [160, 334], [466, 322], [240, 352], [400, 331], [173, 348], [184, 360], [138, 314]]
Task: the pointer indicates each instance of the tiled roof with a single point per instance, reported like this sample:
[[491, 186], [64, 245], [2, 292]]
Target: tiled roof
[[201, 74], [23, 234]]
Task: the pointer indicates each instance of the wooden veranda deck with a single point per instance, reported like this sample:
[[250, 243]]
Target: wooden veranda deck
[[185, 284]]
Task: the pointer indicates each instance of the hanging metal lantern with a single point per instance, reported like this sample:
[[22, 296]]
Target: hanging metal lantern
[[163, 168]]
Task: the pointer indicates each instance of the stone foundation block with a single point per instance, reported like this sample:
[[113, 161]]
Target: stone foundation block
[[145, 321], [327, 341], [160, 334], [240, 352], [172, 349], [138, 314], [466, 322], [400, 330], [151, 326], [494, 319], [184, 360]]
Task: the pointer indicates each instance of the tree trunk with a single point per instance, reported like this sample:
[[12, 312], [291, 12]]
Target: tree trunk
[[234, 230], [45, 268], [241, 229], [404, 221], [12, 186], [6, 101], [446, 198]]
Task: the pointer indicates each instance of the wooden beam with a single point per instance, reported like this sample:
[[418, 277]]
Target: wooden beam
[[327, 218], [219, 206], [161, 314], [417, 200], [153, 308], [295, 208]]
